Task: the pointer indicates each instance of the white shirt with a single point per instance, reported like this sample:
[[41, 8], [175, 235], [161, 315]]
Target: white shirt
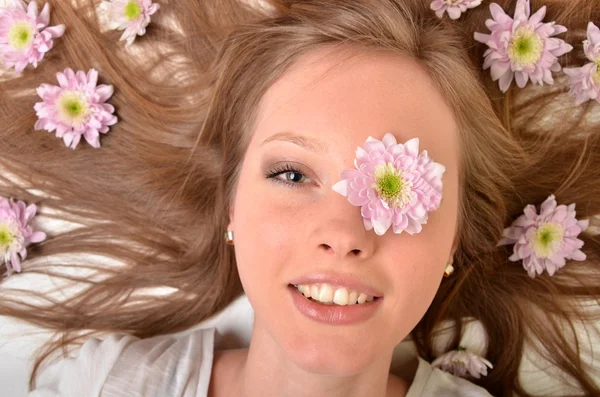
[[165, 366]]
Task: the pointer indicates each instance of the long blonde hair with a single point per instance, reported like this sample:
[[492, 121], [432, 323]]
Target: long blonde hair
[[156, 195]]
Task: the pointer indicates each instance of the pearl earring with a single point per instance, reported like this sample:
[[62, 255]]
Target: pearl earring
[[229, 237], [449, 270]]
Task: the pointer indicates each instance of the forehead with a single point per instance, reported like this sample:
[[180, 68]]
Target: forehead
[[341, 100]]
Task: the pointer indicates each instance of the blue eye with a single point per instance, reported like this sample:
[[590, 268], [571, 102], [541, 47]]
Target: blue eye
[[291, 176]]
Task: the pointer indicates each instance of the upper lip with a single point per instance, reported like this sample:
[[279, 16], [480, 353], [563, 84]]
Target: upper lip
[[350, 282]]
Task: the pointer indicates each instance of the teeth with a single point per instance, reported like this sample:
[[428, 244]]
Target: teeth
[[325, 293]]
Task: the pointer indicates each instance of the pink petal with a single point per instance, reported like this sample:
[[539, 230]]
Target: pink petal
[[104, 92], [68, 139], [62, 79], [482, 38], [92, 80], [498, 13], [522, 10], [499, 69], [437, 5], [505, 80], [29, 212], [37, 237], [381, 224], [32, 10], [56, 31], [538, 16], [44, 17], [93, 138], [341, 187], [411, 147], [578, 256], [153, 8], [521, 79], [454, 12], [389, 140], [15, 262]]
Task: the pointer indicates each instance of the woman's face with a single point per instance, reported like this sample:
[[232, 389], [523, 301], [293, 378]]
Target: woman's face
[[293, 224]]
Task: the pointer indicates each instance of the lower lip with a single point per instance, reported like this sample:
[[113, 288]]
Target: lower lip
[[334, 314]]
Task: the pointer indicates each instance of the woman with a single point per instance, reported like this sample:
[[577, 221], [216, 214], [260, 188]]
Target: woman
[[244, 120]]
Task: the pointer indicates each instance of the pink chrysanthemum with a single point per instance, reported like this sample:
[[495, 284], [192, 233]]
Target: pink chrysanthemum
[[16, 233], [546, 240], [522, 48], [585, 81], [454, 8], [393, 184], [462, 363], [75, 108], [25, 36], [132, 16]]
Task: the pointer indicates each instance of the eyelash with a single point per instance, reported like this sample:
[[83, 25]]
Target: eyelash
[[282, 169]]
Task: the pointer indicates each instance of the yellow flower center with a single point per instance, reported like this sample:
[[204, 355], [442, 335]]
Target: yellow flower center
[[21, 34], [547, 240], [597, 74], [132, 10], [73, 108], [390, 185], [7, 237], [525, 48]]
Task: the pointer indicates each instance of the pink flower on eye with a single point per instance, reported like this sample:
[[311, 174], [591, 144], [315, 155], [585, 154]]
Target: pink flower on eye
[[76, 107], [132, 16], [24, 34], [545, 241], [16, 233], [462, 363], [585, 81], [394, 185], [522, 48], [454, 8]]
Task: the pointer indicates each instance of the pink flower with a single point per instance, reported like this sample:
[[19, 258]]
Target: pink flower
[[393, 184], [25, 36], [75, 108], [522, 47], [585, 81], [132, 16], [16, 233], [462, 363], [546, 240], [454, 7]]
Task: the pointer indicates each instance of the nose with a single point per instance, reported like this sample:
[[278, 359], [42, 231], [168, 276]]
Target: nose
[[342, 233]]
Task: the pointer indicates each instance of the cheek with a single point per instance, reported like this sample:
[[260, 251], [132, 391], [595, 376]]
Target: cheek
[[266, 233], [421, 259]]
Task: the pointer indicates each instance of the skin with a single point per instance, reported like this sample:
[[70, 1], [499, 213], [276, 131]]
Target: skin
[[283, 232]]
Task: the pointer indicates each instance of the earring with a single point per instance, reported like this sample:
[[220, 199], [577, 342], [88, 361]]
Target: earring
[[229, 237], [449, 270]]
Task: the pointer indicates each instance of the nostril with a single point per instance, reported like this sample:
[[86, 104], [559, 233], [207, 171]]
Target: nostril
[[355, 251], [327, 247]]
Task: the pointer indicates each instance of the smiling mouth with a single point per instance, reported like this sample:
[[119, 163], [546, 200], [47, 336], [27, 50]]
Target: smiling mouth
[[325, 294]]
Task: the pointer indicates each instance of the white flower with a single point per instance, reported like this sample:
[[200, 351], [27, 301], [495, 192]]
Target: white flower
[[132, 16], [454, 8], [462, 363]]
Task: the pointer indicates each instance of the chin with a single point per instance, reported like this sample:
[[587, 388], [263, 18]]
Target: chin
[[341, 355]]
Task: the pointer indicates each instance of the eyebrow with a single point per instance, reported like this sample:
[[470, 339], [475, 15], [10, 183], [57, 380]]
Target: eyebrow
[[302, 141]]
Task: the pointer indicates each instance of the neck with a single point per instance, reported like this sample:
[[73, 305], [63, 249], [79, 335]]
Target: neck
[[266, 372]]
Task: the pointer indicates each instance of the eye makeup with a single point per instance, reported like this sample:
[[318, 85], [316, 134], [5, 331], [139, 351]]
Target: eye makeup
[[297, 173]]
